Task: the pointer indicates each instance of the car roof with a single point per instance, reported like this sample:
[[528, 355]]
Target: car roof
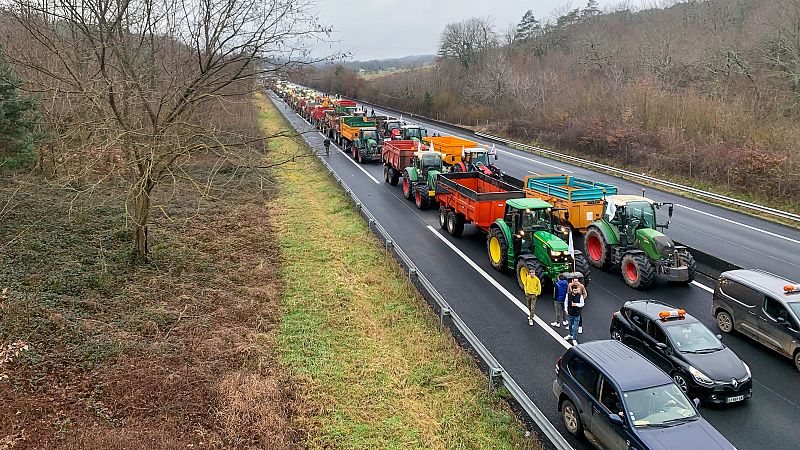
[[629, 370], [651, 308], [762, 280]]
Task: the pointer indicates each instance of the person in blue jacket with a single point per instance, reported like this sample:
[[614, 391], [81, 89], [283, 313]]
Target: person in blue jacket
[[559, 294]]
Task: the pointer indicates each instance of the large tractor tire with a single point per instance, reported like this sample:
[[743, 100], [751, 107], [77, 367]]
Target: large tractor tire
[[497, 246], [443, 217], [420, 200], [394, 176], [685, 257], [408, 189], [597, 249], [527, 264], [455, 224], [582, 266], [637, 271]]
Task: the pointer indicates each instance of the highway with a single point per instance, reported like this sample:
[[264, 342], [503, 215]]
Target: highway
[[491, 303]]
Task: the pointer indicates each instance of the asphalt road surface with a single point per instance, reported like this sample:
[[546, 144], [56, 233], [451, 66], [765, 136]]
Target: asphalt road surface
[[491, 303]]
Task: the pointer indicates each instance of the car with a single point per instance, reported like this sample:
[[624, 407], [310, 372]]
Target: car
[[619, 401], [762, 306], [684, 348]]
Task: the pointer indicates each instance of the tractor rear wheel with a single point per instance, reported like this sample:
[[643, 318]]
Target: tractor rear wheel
[[407, 189], [637, 271], [684, 257], [394, 176], [420, 200], [596, 249], [529, 264], [497, 247], [582, 266], [455, 224], [443, 217]]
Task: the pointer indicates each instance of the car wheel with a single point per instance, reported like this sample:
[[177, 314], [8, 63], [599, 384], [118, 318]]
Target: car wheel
[[681, 382], [797, 359], [571, 418], [616, 335], [724, 321]]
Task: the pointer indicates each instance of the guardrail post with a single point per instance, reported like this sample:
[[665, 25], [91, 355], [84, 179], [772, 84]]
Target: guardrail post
[[443, 312], [494, 372], [389, 244], [370, 223]]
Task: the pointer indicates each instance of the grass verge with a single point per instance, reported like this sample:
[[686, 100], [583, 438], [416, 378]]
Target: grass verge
[[377, 369]]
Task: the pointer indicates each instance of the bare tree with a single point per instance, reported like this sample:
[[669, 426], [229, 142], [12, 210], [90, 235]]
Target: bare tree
[[465, 41], [135, 82]]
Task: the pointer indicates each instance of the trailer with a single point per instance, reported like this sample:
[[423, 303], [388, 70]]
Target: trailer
[[451, 146], [396, 156], [579, 201], [522, 233]]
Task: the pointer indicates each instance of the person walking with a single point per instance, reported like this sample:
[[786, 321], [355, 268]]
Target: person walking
[[585, 295], [327, 144], [533, 287], [573, 306], [559, 295]]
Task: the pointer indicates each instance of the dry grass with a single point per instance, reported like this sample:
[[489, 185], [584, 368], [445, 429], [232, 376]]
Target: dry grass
[[177, 353], [377, 368]]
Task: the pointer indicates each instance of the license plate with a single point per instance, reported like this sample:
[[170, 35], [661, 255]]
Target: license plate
[[737, 398]]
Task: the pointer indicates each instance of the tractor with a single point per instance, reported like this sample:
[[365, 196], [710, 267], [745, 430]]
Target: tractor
[[419, 180], [477, 160], [626, 235], [526, 240], [410, 133], [366, 145]]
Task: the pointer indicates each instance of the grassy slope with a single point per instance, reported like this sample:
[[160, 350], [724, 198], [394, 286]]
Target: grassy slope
[[380, 372]]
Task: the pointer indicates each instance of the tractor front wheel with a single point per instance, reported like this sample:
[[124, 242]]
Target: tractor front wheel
[[637, 271], [684, 257], [582, 266], [596, 249], [455, 224], [407, 186], [526, 266], [497, 247], [359, 157], [420, 200]]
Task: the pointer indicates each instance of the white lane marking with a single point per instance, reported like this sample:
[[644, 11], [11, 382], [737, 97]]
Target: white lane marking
[[500, 288], [560, 169], [343, 153], [703, 287], [750, 227], [534, 173]]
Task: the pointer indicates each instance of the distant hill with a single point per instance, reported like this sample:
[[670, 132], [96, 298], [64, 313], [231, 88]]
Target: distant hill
[[377, 65]]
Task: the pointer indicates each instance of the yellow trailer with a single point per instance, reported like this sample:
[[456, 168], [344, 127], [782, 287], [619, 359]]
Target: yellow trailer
[[450, 146]]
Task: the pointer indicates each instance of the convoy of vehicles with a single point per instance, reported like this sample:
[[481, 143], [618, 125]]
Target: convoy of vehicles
[[634, 395]]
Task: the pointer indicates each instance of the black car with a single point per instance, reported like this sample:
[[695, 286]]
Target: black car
[[620, 401], [684, 348]]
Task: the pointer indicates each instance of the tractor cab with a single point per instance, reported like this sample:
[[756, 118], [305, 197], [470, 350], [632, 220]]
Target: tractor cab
[[426, 161], [477, 160], [413, 133], [630, 213]]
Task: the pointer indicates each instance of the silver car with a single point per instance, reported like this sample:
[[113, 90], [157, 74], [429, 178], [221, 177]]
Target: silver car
[[762, 306]]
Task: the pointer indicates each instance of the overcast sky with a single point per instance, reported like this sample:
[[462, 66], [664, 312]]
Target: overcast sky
[[379, 29]]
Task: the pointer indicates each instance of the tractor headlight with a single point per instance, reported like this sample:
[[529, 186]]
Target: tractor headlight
[[555, 253]]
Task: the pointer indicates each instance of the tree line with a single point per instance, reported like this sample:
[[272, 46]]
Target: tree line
[[701, 90]]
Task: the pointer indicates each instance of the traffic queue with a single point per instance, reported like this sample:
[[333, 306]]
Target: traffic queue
[[641, 388]]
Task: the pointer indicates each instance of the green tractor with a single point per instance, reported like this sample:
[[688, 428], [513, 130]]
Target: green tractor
[[419, 180], [367, 145], [527, 240], [412, 133], [626, 236]]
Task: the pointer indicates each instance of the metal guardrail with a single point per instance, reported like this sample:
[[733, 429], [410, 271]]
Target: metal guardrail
[[589, 163], [426, 288]]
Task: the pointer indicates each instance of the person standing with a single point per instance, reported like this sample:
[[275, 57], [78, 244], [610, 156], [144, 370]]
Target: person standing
[[573, 306], [585, 295], [533, 287], [559, 295]]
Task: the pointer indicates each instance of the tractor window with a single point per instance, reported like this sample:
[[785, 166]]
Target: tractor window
[[432, 162], [371, 134], [643, 211], [536, 220], [479, 158]]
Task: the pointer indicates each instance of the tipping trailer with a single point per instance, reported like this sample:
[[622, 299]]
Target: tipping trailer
[[396, 156], [450, 146], [522, 233], [318, 114], [579, 201]]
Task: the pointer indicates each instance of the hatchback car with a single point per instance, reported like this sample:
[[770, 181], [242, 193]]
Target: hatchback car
[[761, 306], [619, 400], [680, 345]]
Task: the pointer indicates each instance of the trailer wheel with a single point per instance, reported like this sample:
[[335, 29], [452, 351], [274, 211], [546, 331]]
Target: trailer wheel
[[443, 217], [497, 246], [386, 171], [394, 176], [527, 265], [455, 224], [596, 249], [637, 271], [420, 201], [407, 193]]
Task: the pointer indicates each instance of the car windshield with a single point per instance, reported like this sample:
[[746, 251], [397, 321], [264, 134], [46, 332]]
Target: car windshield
[[536, 220], [658, 406], [795, 307], [693, 338], [643, 211], [431, 162]]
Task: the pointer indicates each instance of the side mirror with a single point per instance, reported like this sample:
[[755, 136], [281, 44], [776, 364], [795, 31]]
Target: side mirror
[[719, 336], [663, 347], [615, 419], [696, 402], [566, 216], [670, 210]]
